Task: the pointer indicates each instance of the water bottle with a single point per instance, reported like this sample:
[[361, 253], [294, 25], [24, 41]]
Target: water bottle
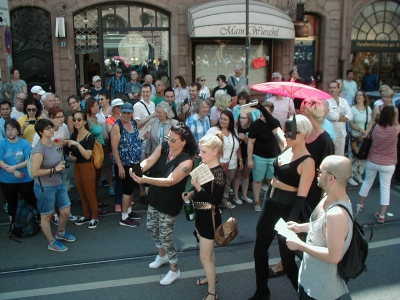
[[189, 212]]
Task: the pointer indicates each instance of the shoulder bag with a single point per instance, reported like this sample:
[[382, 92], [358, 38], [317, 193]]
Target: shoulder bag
[[225, 166], [98, 154], [226, 232], [363, 150]]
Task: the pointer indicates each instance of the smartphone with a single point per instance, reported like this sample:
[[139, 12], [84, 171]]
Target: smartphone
[[186, 101], [137, 169], [32, 122]]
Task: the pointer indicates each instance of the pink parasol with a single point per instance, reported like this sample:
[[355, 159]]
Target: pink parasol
[[290, 89]]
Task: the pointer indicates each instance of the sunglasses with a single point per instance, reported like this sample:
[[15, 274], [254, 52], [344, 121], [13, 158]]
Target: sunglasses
[[319, 172], [118, 72], [49, 128], [202, 80], [31, 110], [77, 119], [168, 138]]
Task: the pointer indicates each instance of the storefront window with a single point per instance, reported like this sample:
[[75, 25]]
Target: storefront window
[[126, 36], [220, 59], [306, 49]]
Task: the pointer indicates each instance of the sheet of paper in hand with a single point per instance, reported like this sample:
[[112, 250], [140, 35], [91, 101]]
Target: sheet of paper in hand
[[145, 129], [283, 229], [203, 173], [246, 108]]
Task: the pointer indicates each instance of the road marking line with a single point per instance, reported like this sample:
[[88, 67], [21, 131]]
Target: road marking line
[[148, 279]]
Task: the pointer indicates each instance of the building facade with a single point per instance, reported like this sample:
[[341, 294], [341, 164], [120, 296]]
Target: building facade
[[60, 45]]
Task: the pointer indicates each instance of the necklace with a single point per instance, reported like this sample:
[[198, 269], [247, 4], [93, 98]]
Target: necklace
[[170, 156]]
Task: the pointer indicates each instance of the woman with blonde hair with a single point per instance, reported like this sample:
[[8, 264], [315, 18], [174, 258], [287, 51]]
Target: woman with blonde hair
[[387, 99], [160, 127], [206, 200], [294, 171], [222, 102]]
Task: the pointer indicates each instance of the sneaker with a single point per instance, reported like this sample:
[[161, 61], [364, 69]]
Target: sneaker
[[128, 222], [379, 218], [358, 178], [82, 220], [351, 181], [54, 219], [360, 207], [228, 205], [57, 246], [230, 191], [159, 261], [105, 183], [247, 199], [118, 208], [257, 207], [111, 191], [170, 277], [93, 223], [72, 217], [134, 216], [238, 201], [66, 237]]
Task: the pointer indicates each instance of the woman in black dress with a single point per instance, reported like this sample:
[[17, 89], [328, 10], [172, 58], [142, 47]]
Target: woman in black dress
[[207, 199]]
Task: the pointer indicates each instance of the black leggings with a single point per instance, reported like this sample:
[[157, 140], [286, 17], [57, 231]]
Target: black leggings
[[271, 212], [11, 190]]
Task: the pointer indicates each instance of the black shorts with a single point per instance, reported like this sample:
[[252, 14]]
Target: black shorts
[[128, 184]]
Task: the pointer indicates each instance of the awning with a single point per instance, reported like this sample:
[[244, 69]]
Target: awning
[[228, 19]]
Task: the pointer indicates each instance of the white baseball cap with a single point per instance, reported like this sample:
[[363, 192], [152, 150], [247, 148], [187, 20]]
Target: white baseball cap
[[117, 102], [37, 90], [96, 78]]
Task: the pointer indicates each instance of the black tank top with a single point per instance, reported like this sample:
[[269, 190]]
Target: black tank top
[[287, 173]]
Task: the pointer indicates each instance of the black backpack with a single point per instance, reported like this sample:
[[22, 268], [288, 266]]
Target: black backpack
[[25, 222], [353, 262]]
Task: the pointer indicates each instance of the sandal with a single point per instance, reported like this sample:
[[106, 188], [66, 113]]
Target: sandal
[[101, 204], [208, 293], [199, 281], [360, 207], [273, 274]]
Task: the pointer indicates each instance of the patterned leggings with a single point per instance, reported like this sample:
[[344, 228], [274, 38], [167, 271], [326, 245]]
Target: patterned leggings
[[161, 227]]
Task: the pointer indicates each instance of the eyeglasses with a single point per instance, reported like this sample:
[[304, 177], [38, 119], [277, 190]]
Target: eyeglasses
[[77, 119], [243, 118], [170, 139], [72, 102], [31, 109], [319, 171], [20, 99], [59, 118], [157, 85], [49, 128]]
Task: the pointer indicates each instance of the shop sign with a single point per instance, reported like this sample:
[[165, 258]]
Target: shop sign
[[376, 46], [254, 30], [5, 13]]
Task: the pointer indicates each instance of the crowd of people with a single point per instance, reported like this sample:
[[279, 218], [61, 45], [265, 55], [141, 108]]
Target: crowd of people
[[294, 150]]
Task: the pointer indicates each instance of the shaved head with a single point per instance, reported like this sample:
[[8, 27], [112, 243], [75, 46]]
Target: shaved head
[[339, 166]]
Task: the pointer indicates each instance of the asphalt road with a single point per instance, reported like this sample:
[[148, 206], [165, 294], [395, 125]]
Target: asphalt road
[[111, 261]]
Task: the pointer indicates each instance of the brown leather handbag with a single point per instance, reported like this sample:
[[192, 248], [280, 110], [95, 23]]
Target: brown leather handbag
[[227, 231]]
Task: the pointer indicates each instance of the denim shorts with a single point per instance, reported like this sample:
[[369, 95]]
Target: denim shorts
[[263, 168], [51, 197]]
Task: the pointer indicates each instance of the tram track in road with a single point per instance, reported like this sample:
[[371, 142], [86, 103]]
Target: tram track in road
[[147, 256]]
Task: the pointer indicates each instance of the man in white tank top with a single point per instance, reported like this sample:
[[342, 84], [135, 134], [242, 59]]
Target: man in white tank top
[[329, 234]]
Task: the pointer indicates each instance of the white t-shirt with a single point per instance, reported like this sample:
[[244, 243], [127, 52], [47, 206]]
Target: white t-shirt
[[59, 135], [15, 114], [228, 144], [204, 93], [139, 110], [101, 118]]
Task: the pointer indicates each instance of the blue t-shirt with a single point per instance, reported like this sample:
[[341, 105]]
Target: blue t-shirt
[[13, 154]]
